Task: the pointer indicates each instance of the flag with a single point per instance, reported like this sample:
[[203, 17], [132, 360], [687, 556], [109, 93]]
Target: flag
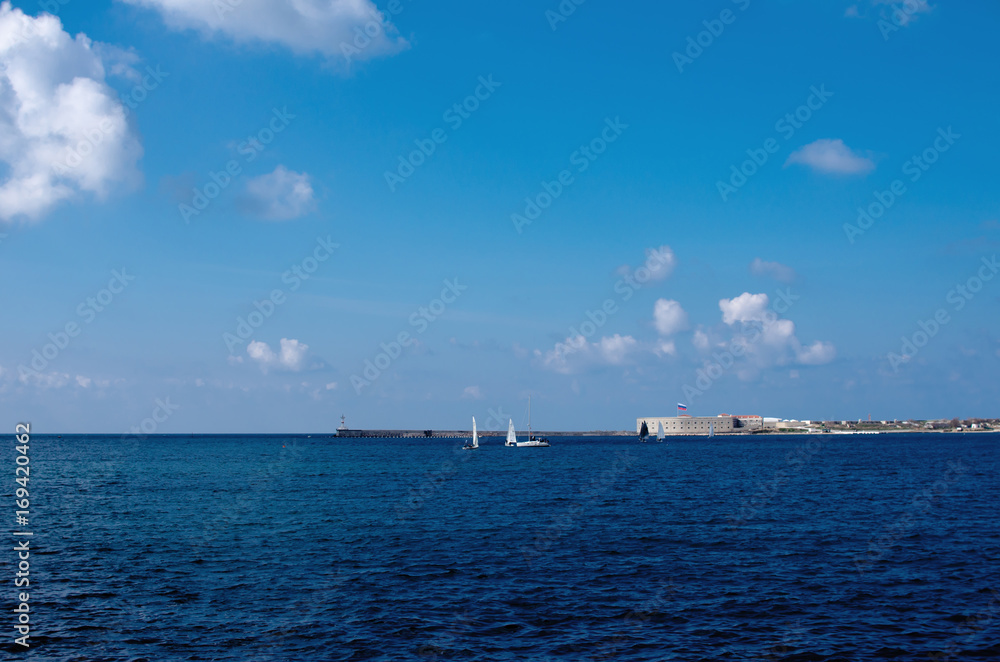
[[681, 407]]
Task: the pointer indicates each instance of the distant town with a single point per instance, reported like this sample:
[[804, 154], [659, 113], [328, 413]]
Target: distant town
[[684, 424], [723, 424]]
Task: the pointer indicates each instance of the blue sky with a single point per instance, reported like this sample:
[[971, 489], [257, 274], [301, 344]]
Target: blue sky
[[118, 115]]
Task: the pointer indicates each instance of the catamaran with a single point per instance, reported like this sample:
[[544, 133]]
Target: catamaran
[[532, 441], [474, 444]]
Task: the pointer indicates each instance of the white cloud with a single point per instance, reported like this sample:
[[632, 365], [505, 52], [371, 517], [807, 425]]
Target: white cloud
[[659, 264], [290, 357], [575, 353], [744, 308], [334, 28], [45, 380], [669, 317], [63, 130], [774, 270], [472, 393], [700, 340], [332, 386], [831, 157], [615, 349], [817, 353], [84, 382], [282, 195], [668, 347], [770, 341]]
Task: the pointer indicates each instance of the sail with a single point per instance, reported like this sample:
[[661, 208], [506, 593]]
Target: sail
[[475, 435], [644, 431], [511, 437], [659, 430]]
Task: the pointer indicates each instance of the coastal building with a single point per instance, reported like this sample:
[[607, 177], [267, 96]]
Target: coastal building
[[721, 424]]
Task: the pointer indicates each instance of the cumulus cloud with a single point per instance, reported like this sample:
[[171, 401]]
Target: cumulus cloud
[[472, 393], [767, 340], [700, 340], [774, 270], [817, 353], [669, 317], [342, 29], [659, 264], [668, 347], [614, 349], [281, 195], [575, 353], [63, 130], [831, 157], [290, 357], [744, 308]]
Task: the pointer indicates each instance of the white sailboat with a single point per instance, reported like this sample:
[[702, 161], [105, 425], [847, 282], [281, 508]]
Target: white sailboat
[[532, 441], [475, 438], [711, 429], [511, 437], [659, 431]]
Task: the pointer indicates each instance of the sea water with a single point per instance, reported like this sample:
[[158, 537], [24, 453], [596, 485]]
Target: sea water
[[817, 547]]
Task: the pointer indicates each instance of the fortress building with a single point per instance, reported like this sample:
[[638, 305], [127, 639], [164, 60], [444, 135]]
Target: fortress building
[[721, 424]]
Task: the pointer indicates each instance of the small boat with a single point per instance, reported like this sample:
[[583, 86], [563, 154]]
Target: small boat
[[474, 444], [659, 431], [711, 429], [532, 441], [643, 433]]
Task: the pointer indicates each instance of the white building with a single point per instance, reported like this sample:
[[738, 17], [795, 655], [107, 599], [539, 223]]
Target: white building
[[686, 424], [721, 424]]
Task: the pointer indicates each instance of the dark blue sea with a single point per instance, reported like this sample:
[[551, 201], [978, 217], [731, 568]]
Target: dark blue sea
[[246, 548]]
